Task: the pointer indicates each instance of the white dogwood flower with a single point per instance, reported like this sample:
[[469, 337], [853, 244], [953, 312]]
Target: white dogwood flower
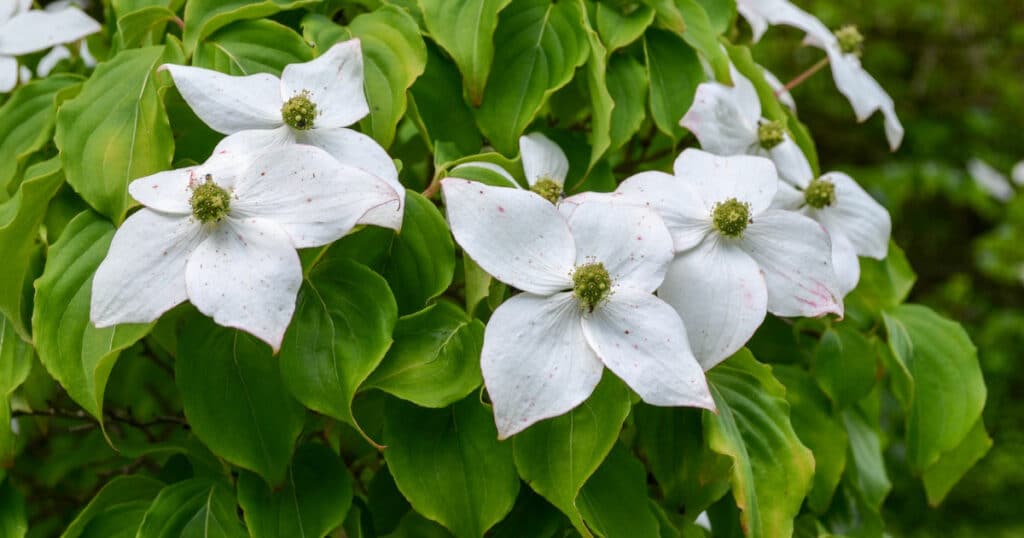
[[727, 121], [24, 30], [843, 48], [311, 103], [991, 180], [736, 257], [587, 277], [856, 223], [223, 235], [544, 164]]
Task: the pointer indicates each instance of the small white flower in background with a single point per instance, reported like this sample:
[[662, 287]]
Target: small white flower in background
[[736, 256], [856, 223], [544, 164], [223, 235], [23, 31], [843, 48], [727, 121], [311, 103], [1017, 174], [587, 276], [990, 179]]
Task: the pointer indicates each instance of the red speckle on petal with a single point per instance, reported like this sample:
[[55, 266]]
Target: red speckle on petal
[[501, 209]]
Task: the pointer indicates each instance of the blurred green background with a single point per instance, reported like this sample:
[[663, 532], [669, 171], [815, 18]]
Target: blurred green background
[[956, 71]]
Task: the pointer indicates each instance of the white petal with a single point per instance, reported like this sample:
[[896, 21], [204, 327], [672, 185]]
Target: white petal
[[169, 191], [36, 30], [235, 153], [783, 12], [542, 159], [246, 275], [334, 81], [143, 274], [857, 216], [515, 235], [990, 179], [791, 162], [758, 24], [490, 167], [641, 339], [864, 93], [795, 256], [721, 296], [230, 104], [788, 197], [309, 194], [535, 361], [781, 92], [718, 120], [679, 204], [632, 242], [1017, 174], [8, 74], [749, 179], [353, 148], [51, 59], [845, 263]]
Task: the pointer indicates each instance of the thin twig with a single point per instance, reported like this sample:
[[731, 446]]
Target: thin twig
[[803, 76]]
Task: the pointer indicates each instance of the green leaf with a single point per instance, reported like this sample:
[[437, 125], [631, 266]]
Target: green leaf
[[20, 218], [820, 429], [867, 463], [395, 56], [949, 392], [674, 72], [435, 360], [421, 264], [627, 84], [618, 29], [249, 47], [884, 284], [772, 469], [465, 30], [721, 13], [340, 331], [844, 365], [539, 45], [701, 36], [450, 465], [26, 123], [442, 117], [193, 508], [128, 492], [557, 456], [13, 519], [314, 500], [614, 500], [143, 26], [204, 17], [667, 15], [951, 467], [15, 363], [116, 130], [531, 516], [234, 398], [77, 354], [601, 103]]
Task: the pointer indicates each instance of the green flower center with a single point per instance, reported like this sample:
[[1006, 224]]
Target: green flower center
[[299, 111], [210, 202], [770, 134], [820, 193], [547, 189], [850, 40], [731, 217], [591, 284]]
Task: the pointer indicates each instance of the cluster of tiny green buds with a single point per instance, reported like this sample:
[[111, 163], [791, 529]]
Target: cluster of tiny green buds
[[731, 217], [210, 202], [299, 111], [547, 189], [820, 193], [850, 39], [591, 284], [770, 134]]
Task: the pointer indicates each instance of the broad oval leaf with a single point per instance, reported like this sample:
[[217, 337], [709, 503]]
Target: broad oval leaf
[[674, 72], [435, 360], [204, 17], [15, 364], [772, 469], [77, 354], [314, 501], [116, 130], [557, 456], [129, 492], [614, 500], [339, 333], [193, 508], [627, 85], [234, 398], [618, 28], [702, 36], [442, 117], [250, 47], [539, 45], [450, 465], [845, 365]]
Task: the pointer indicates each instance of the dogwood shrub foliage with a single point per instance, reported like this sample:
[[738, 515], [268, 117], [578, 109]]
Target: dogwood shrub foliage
[[524, 268]]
